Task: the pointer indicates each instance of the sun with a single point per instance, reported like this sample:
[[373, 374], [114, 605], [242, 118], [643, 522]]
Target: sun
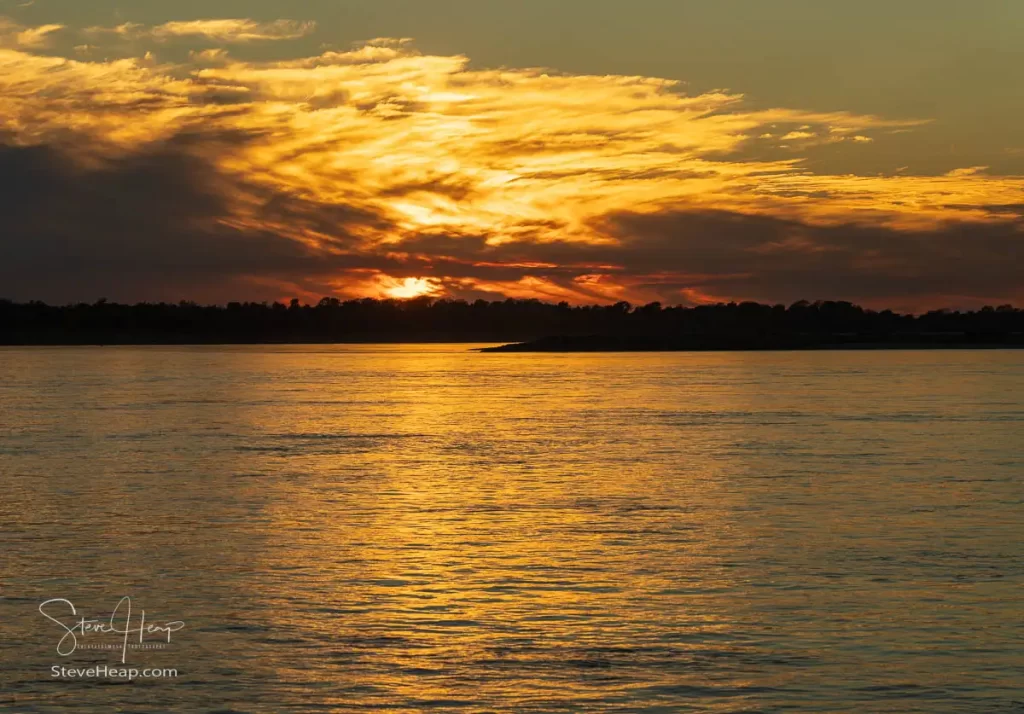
[[408, 288]]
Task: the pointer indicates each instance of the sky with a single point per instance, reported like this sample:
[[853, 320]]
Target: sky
[[582, 150]]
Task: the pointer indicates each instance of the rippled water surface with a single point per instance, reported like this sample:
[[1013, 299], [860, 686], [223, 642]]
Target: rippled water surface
[[431, 529]]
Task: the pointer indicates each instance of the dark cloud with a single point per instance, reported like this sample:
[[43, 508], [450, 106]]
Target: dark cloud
[[1013, 209], [741, 256], [151, 226], [760, 257]]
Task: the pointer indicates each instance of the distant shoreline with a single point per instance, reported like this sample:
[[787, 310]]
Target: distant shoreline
[[556, 345], [762, 344], [242, 343], [515, 325]]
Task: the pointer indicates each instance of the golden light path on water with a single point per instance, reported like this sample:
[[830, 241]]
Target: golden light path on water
[[425, 528]]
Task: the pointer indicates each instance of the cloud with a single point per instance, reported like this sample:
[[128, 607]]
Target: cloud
[[156, 224], [235, 30], [226, 31], [36, 37], [703, 255], [382, 170], [764, 257], [17, 35]]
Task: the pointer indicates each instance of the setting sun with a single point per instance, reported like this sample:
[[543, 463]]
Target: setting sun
[[412, 288]]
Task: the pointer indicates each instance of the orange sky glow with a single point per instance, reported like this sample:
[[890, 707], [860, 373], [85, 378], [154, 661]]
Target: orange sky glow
[[393, 173]]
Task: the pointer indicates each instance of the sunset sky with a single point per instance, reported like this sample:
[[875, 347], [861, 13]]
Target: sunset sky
[[580, 150]]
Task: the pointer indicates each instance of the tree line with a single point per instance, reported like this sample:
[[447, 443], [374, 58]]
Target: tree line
[[429, 320]]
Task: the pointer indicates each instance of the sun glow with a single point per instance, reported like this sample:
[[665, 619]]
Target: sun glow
[[409, 288]]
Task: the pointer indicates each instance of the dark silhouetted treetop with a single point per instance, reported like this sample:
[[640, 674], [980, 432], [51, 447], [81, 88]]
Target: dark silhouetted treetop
[[727, 325]]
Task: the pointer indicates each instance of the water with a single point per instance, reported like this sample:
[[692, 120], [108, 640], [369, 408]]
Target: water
[[430, 529]]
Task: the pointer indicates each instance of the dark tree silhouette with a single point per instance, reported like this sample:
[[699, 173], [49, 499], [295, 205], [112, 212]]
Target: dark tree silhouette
[[746, 325]]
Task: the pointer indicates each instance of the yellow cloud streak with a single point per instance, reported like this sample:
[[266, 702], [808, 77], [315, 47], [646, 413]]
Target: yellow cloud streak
[[234, 30], [230, 30]]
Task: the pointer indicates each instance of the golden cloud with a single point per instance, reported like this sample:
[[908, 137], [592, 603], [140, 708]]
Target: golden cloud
[[433, 147], [223, 30], [16, 35], [236, 30]]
